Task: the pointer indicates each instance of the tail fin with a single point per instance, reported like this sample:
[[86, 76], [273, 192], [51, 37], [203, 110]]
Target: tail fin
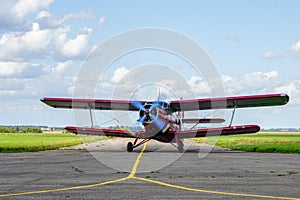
[[158, 94]]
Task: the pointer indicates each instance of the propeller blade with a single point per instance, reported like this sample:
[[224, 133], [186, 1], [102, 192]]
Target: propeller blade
[[154, 104], [142, 119], [138, 105], [158, 122]]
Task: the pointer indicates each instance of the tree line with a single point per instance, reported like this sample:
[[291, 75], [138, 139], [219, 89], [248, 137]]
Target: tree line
[[29, 129]]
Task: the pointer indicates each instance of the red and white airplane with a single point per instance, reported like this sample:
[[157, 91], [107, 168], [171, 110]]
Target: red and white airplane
[[162, 120]]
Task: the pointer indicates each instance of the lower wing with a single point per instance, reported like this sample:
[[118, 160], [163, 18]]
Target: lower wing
[[204, 132], [229, 130], [102, 132]]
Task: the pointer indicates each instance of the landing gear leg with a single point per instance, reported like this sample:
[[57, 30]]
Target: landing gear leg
[[130, 147], [180, 146]]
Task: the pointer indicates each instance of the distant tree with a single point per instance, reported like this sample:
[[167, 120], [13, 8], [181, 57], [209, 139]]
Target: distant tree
[[4, 129], [32, 130]]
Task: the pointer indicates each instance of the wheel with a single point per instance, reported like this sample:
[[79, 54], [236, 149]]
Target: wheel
[[130, 147], [180, 147]]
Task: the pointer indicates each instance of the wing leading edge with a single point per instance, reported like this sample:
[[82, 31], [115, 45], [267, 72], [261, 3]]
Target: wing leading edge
[[177, 105], [204, 132], [102, 132], [230, 102], [229, 130], [98, 104]]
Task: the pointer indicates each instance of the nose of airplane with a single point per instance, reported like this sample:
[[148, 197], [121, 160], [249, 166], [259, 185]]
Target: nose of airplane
[[147, 112]]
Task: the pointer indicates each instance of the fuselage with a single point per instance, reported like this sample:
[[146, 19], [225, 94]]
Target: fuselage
[[159, 123]]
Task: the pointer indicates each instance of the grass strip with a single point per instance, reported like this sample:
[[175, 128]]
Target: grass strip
[[270, 142], [31, 142]]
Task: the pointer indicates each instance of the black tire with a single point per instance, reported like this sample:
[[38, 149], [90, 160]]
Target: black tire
[[130, 147]]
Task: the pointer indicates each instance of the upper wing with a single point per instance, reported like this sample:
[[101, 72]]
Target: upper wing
[[229, 130], [102, 132], [230, 102], [98, 104]]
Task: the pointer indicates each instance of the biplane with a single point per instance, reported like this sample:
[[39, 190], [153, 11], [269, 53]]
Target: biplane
[[162, 120]]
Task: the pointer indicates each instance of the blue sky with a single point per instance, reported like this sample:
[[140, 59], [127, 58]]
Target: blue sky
[[255, 46]]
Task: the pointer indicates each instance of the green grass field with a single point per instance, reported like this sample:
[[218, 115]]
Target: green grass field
[[30, 142], [271, 142]]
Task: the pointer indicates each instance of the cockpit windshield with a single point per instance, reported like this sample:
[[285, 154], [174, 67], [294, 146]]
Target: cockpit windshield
[[161, 104]]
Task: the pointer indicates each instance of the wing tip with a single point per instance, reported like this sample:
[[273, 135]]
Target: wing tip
[[286, 97]]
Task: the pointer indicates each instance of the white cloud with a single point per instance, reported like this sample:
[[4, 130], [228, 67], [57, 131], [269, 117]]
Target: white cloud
[[256, 82], [292, 89], [60, 69], [45, 36], [24, 7], [295, 49], [47, 20], [199, 86], [63, 66], [232, 38], [78, 47], [17, 46], [7, 92], [252, 83], [10, 69], [272, 55], [38, 43], [13, 13], [101, 21], [12, 84], [79, 15], [119, 73]]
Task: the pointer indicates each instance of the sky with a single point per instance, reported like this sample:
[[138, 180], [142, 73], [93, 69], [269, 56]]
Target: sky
[[254, 45]]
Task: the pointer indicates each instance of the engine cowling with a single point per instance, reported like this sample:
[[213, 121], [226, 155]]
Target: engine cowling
[[148, 113]]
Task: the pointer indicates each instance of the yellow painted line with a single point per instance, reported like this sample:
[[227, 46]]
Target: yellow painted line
[[65, 189], [213, 192], [131, 175], [137, 162]]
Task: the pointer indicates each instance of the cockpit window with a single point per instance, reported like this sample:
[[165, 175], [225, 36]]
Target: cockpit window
[[161, 104]]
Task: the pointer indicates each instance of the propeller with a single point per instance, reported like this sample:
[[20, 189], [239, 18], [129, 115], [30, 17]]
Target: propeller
[[149, 112], [142, 119], [138, 105], [154, 104], [158, 122]]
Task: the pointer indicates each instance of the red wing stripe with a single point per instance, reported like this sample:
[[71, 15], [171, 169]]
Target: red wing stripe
[[230, 102], [101, 132], [98, 104], [229, 130]]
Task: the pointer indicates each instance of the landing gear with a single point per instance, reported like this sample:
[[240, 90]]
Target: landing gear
[[180, 146], [130, 147]]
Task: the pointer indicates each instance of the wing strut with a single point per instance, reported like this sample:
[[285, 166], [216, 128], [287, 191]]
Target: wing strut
[[233, 112], [91, 116]]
